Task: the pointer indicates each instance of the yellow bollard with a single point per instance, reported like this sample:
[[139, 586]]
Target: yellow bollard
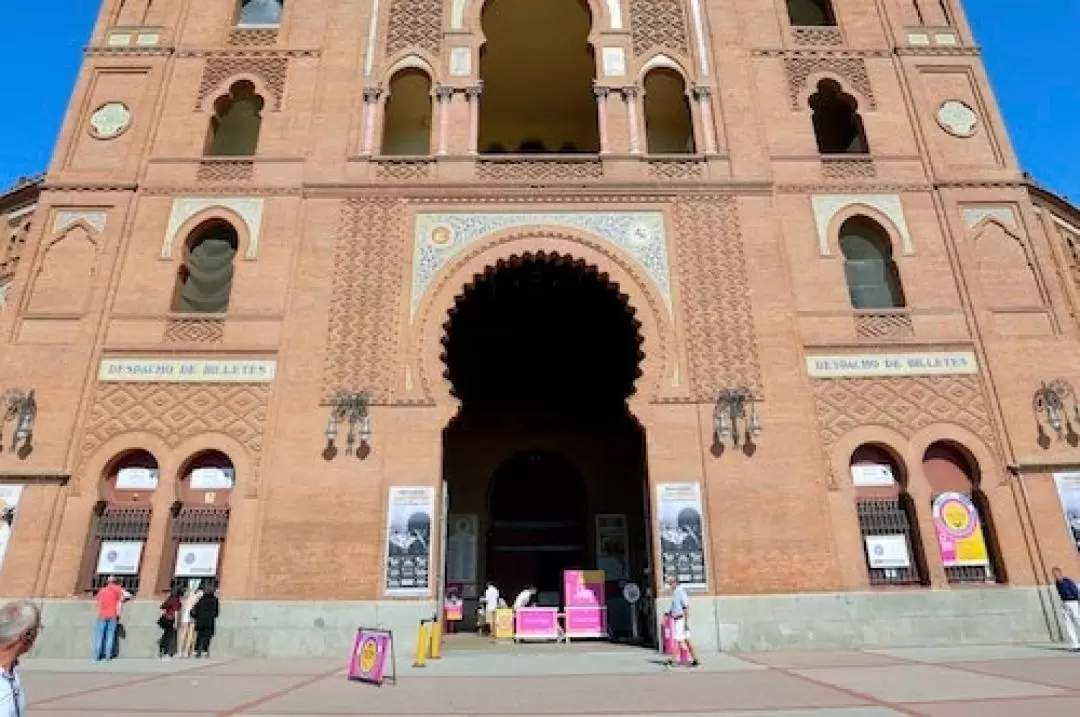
[[422, 643], [436, 639]]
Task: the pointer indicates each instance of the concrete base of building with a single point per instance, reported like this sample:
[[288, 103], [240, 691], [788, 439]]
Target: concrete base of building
[[741, 623]]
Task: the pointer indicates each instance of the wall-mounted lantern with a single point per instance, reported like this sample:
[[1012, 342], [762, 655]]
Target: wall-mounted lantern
[[353, 410], [735, 416], [21, 407], [1053, 403]]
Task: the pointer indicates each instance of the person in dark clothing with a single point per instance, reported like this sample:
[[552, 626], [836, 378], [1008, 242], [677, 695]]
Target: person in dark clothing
[[170, 613], [204, 615], [1070, 606]]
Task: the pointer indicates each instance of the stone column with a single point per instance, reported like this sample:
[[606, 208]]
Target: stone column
[[703, 95], [472, 96], [443, 96], [371, 101], [601, 94], [630, 95]]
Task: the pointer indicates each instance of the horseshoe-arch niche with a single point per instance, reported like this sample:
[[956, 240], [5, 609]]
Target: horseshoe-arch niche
[[546, 344]]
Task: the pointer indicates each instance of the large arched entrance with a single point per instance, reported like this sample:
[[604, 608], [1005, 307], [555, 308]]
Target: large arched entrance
[[544, 457]]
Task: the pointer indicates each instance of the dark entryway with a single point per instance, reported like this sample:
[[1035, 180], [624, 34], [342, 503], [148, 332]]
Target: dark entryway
[[543, 352]]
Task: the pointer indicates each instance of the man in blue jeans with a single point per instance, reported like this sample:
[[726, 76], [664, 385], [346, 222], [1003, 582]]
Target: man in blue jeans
[[108, 615]]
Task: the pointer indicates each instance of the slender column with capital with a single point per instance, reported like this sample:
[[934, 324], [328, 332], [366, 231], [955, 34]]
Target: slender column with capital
[[472, 95], [371, 101], [443, 96], [601, 94], [630, 97], [703, 95]]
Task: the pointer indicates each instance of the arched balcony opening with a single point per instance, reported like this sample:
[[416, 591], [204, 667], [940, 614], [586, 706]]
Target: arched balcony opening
[[669, 124], [407, 117]]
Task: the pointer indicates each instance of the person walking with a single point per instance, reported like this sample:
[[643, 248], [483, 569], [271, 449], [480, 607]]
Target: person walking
[[680, 621], [168, 622], [109, 599], [1070, 606], [491, 604], [20, 623], [205, 615]]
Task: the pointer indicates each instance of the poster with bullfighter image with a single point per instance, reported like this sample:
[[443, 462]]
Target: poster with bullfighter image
[[409, 520], [682, 534]]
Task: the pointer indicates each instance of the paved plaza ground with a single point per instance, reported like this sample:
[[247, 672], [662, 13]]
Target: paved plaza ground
[[988, 681]]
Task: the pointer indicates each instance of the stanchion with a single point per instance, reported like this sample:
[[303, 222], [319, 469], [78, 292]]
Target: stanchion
[[436, 638], [423, 638]]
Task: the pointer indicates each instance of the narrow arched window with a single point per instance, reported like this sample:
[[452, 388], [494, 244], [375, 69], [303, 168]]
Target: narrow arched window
[[811, 13], [872, 277], [204, 282], [260, 13], [838, 126], [237, 120], [669, 128], [407, 118]]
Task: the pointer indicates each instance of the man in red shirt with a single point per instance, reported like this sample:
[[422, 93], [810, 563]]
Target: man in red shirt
[[108, 614]]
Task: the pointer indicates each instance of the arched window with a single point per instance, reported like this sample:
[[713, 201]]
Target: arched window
[[237, 120], [811, 13], [259, 13], [538, 69], [199, 522], [407, 119], [962, 519], [669, 128], [837, 124], [120, 523], [204, 281], [872, 277], [887, 518]]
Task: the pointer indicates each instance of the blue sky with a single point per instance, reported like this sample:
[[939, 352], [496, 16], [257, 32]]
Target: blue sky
[[1030, 49]]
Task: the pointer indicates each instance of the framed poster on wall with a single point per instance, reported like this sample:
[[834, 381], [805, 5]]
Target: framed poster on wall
[[197, 560], [9, 504], [1068, 488], [681, 527], [410, 518], [120, 557]]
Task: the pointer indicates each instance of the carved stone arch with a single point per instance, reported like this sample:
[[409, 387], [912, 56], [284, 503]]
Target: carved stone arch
[[62, 277], [244, 214], [667, 61], [410, 59], [867, 434], [851, 70], [658, 24], [97, 457], [1004, 282], [267, 74], [982, 450], [472, 10], [851, 211], [245, 463], [827, 207], [214, 215], [621, 271]]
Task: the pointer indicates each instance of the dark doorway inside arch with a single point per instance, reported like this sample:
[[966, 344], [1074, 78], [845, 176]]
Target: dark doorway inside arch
[[544, 456]]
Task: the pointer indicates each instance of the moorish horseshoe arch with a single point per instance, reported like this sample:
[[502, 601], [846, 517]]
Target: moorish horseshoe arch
[[608, 262]]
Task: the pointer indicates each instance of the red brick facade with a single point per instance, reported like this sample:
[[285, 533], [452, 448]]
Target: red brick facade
[[328, 283]]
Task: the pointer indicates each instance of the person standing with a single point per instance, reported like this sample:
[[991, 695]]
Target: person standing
[[205, 615], [168, 622], [1070, 606], [20, 623], [187, 623], [491, 604], [109, 599], [680, 621]]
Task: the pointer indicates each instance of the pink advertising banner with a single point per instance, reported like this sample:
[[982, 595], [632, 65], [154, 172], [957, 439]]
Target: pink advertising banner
[[371, 651], [583, 597], [536, 623]]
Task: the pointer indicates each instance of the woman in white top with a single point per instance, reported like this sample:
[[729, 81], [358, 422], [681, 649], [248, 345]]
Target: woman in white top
[[187, 625]]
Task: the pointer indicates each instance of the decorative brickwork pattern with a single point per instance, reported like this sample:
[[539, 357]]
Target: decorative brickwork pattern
[[526, 170], [848, 169], [817, 36], [658, 24], [176, 412], [415, 24], [225, 170], [367, 288], [720, 334], [271, 70], [194, 331], [884, 325], [252, 37], [905, 405], [853, 69], [402, 170], [676, 168]]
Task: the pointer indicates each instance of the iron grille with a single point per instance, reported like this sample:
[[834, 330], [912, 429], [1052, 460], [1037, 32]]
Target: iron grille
[[889, 516], [197, 524], [119, 523]]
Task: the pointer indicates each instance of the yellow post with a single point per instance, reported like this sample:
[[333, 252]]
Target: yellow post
[[436, 639], [422, 644]]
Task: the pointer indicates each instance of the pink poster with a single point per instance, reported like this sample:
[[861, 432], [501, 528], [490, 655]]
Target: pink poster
[[536, 623], [371, 650], [585, 606]]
